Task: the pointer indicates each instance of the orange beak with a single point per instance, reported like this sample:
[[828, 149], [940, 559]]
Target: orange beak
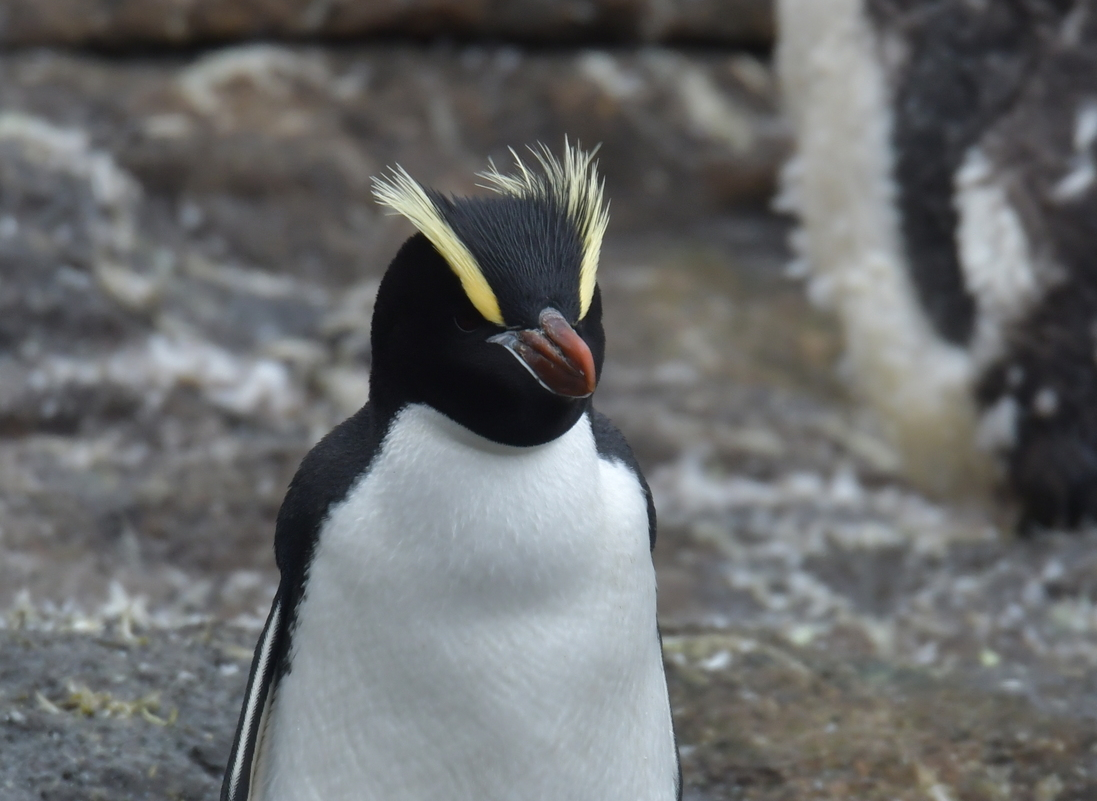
[[554, 354]]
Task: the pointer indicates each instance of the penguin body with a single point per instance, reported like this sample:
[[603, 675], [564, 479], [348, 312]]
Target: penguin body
[[945, 181], [467, 605]]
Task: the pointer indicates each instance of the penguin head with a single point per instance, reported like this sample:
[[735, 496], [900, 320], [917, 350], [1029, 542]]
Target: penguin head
[[491, 313]]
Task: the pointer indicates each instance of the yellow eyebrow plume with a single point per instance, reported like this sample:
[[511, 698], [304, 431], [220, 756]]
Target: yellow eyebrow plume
[[401, 193], [575, 185]]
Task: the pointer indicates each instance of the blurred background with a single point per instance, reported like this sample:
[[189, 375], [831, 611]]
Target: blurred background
[[188, 256]]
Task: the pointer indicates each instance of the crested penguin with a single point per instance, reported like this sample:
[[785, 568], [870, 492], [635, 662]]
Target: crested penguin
[[467, 598], [946, 184]]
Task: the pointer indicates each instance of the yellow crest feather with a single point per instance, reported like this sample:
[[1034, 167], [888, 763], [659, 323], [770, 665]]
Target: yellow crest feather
[[576, 186], [401, 193]]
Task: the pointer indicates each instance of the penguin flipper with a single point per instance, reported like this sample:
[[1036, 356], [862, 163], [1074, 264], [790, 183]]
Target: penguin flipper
[[246, 747]]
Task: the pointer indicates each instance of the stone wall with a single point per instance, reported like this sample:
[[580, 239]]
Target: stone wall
[[137, 23]]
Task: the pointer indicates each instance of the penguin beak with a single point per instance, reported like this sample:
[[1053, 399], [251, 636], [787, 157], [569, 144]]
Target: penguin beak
[[554, 354]]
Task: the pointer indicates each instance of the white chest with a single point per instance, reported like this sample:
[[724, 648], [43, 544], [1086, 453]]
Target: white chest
[[478, 623]]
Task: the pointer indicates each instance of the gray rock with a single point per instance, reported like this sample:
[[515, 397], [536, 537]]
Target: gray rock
[[137, 23], [86, 717], [106, 716], [264, 153]]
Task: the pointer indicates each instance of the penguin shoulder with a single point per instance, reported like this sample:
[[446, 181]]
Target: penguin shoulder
[[613, 447], [324, 478]]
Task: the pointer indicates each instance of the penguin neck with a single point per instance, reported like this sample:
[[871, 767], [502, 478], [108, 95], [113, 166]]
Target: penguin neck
[[450, 429], [504, 427]]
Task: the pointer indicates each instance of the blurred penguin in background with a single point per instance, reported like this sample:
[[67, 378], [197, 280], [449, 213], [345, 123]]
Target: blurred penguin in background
[[945, 178]]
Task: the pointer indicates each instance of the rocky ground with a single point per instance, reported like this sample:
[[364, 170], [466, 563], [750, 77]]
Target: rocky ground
[[830, 633], [188, 254]]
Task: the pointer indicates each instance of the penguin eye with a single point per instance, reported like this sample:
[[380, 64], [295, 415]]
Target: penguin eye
[[467, 320]]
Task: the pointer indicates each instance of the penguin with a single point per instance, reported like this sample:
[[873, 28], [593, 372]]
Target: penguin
[[945, 180], [467, 604]]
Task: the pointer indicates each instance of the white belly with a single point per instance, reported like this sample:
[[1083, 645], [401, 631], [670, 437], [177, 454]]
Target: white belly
[[479, 623]]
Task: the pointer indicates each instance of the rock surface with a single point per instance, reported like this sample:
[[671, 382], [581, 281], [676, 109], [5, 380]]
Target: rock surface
[[106, 717], [757, 718], [266, 152], [145, 23]]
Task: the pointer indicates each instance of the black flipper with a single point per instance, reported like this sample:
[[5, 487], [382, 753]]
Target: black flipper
[[611, 444], [269, 653]]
